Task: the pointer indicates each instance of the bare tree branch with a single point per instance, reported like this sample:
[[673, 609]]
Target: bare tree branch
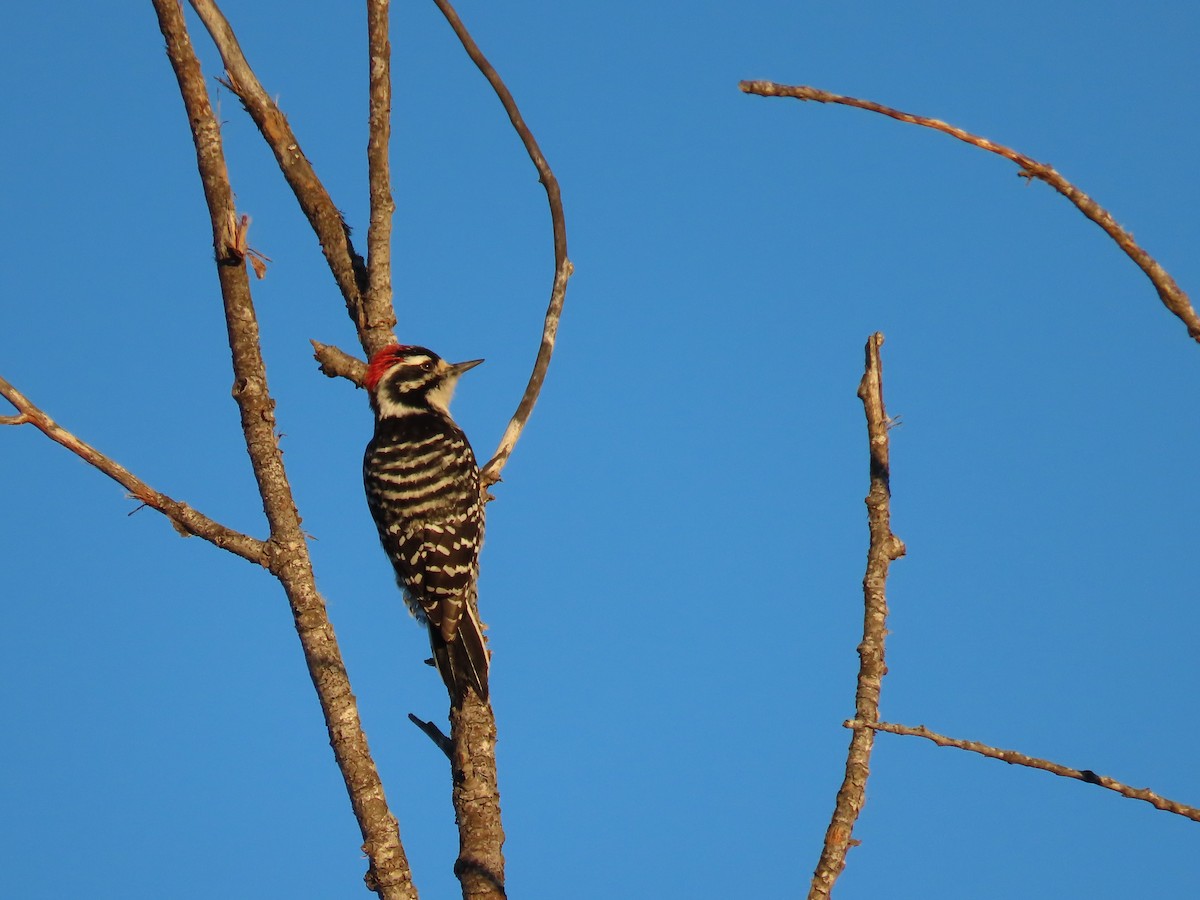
[[379, 230], [187, 520], [476, 796], [373, 318], [1172, 296], [389, 875], [436, 735], [473, 731], [884, 548], [1015, 758], [338, 364], [562, 265]]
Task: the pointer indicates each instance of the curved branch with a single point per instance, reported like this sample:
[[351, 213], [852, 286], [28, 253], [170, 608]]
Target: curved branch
[[188, 521], [1020, 759], [1173, 297], [884, 548], [389, 874], [490, 473], [373, 317]]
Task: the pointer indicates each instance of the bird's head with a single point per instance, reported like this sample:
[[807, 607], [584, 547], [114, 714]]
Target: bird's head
[[403, 380]]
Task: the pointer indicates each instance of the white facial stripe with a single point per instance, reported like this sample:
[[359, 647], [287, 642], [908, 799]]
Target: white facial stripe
[[439, 397], [404, 375]]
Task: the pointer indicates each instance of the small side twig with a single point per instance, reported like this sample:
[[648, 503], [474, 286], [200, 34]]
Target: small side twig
[[186, 520], [884, 548], [1173, 297], [435, 734], [339, 364], [1014, 757], [562, 265]]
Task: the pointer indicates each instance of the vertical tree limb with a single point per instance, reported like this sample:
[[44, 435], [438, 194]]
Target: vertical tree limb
[[389, 875], [476, 797], [379, 229], [884, 548]]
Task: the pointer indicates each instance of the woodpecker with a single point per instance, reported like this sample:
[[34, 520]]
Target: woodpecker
[[422, 486]]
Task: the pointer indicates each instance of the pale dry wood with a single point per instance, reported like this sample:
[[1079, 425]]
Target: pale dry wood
[[388, 874], [373, 316], [338, 363], [884, 548], [379, 228], [1017, 758], [1171, 294], [476, 797], [473, 725], [186, 519], [562, 265]]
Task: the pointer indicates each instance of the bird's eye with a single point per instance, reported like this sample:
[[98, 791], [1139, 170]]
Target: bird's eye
[[427, 366]]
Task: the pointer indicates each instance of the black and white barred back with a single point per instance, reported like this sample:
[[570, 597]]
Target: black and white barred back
[[422, 486]]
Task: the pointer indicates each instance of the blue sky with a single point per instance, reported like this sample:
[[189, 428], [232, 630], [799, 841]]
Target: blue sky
[[672, 574]]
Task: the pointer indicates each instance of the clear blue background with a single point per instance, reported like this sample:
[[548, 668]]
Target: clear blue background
[[672, 575]]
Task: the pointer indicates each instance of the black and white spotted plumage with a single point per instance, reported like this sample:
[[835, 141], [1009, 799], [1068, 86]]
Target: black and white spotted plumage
[[422, 486]]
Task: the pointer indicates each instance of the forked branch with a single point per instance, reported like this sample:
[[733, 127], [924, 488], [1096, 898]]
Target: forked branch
[[368, 296], [884, 548], [1173, 297], [389, 874], [337, 363], [372, 314]]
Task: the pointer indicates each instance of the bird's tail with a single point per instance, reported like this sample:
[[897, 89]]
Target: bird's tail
[[463, 660]]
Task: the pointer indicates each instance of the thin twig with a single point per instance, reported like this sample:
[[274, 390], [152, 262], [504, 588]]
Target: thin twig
[[436, 735], [389, 874], [374, 321], [1015, 758], [884, 548], [562, 265], [379, 229], [183, 517], [1172, 296]]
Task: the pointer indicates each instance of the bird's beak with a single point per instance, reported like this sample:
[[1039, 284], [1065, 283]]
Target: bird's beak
[[459, 368]]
